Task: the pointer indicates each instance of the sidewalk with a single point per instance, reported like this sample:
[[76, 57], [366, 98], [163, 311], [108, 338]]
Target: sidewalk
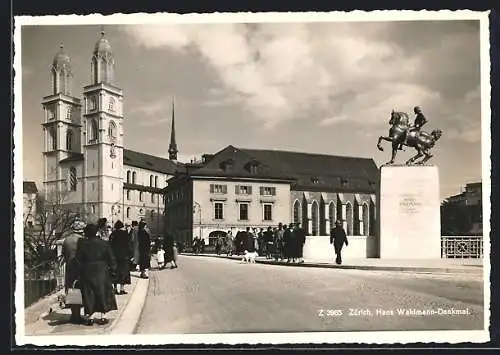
[[452, 266], [39, 320]]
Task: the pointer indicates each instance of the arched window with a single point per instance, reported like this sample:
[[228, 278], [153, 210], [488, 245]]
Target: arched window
[[112, 104], [156, 181], [128, 195], [128, 212], [296, 211], [128, 176], [69, 139], [140, 196], [112, 129], [365, 221], [151, 180], [315, 218], [53, 138], [94, 131], [348, 212], [371, 215], [72, 179], [332, 214], [134, 176]]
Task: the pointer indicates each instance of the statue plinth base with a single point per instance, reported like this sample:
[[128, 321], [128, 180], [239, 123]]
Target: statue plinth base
[[409, 212]]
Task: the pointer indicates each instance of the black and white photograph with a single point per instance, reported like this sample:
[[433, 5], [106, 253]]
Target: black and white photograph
[[251, 178]]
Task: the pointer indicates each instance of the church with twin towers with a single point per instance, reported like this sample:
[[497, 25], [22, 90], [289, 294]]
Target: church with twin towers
[[85, 162]]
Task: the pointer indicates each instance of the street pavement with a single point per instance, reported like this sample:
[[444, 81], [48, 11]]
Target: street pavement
[[213, 295]]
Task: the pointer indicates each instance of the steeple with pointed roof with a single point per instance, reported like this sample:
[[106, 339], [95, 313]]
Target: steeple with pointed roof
[[61, 73], [172, 149], [103, 62]]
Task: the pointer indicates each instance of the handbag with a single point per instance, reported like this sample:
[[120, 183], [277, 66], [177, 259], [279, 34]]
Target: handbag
[[74, 296]]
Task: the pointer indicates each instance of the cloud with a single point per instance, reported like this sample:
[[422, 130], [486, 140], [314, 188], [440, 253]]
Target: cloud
[[330, 73]]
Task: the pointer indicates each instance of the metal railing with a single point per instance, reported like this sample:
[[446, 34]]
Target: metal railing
[[462, 247], [42, 280]]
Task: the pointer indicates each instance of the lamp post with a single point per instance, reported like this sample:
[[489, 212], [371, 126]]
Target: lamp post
[[196, 204]]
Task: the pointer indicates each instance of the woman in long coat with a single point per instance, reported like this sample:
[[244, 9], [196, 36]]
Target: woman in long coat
[[96, 264], [168, 244], [144, 242], [120, 244]]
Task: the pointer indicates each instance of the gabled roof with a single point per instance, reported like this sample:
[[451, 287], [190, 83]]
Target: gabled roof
[[149, 162], [29, 187], [307, 171]]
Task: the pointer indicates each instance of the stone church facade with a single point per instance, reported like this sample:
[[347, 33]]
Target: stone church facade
[[85, 161]]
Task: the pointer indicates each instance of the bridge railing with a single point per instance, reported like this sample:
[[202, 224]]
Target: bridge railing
[[462, 247]]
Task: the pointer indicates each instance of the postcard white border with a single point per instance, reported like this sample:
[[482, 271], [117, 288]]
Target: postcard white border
[[371, 337]]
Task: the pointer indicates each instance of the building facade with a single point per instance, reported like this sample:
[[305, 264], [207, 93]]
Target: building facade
[[238, 188], [84, 158], [30, 196], [462, 214]]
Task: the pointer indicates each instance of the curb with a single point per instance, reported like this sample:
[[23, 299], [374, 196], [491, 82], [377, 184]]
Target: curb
[[127, 320], [357, 267]]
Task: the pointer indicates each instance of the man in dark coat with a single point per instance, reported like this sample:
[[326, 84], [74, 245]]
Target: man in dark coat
[[144, 241], [69, 248], [338, 237], [278, 242], [287, 243], [268, 240], [300, 236]]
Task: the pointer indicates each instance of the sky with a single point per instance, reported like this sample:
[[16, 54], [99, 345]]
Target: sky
[[325, 87]]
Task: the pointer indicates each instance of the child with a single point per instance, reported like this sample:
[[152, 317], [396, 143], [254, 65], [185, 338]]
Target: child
[[160, 257], [174, 256]]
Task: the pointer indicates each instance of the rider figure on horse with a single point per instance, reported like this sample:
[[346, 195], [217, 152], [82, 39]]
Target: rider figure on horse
[[420, 120]]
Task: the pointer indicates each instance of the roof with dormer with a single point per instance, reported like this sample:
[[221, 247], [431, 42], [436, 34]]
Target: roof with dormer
[[306, 171]]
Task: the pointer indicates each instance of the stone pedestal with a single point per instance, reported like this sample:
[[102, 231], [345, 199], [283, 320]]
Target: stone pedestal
[[409, 213]]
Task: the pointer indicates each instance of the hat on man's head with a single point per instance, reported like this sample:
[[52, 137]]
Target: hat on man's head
[[337, 223], [119, 224], [78, 226]]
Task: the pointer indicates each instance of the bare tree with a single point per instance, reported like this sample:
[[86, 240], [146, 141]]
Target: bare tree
[[54, 219]]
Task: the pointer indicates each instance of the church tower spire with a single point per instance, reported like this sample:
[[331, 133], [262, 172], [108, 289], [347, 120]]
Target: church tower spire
[[172, 149]]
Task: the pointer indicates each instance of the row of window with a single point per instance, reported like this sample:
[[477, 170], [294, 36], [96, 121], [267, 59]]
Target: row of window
[[141, 212], [243, 211], [243, 190], [92, 102], [141, 196], [51, 113], [93, 136], [132, 179]]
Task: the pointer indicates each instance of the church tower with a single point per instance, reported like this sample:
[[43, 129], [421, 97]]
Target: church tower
[[61, 132], [103, 136], [172, 149]]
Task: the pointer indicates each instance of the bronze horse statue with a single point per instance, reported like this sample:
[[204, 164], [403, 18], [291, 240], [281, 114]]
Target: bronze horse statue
[[422, 141]]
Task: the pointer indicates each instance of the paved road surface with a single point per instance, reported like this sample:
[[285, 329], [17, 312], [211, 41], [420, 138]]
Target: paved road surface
[[210, 295]]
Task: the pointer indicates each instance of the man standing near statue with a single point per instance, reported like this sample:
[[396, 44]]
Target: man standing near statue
[[338, 237]]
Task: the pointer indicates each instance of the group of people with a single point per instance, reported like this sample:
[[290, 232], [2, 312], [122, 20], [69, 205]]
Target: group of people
[[281, 242], [284, 242], [98, 262]]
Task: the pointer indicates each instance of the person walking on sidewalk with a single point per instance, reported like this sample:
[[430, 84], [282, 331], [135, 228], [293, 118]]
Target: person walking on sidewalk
[[134, 245], [338, 237], [144, 241], [69, 249], [120, 244], [96, 265]]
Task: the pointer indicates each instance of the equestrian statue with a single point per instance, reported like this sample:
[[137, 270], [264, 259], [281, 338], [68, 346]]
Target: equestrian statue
[[402, 133]]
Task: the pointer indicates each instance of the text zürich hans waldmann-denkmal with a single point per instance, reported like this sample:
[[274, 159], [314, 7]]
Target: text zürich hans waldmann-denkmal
[[408, 312]]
